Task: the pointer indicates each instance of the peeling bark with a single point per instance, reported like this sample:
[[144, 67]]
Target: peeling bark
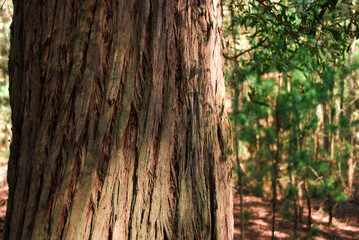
[[119, 127]]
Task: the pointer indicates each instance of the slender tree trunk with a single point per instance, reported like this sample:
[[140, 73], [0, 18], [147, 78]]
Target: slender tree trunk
[[292, 158], [274, 190], [275, 162], [300, 201], [326, 147], [293, 149], [119, 126], [351, 84], [309, 205], [235, 113], [295, 210]]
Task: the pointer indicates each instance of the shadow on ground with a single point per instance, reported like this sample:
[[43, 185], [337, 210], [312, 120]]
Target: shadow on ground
[[258, 224]]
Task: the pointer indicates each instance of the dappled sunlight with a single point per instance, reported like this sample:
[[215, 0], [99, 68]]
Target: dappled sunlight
[[258, 222], [279, 235], [341, 230]]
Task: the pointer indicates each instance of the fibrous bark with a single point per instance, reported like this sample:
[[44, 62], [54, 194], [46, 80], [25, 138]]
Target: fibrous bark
[[119, 126]]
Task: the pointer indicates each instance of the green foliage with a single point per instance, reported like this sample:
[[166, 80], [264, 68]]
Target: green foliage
[[239, 172], [314, 231], [341, 197], [286, 209], [269, 136], [249, 135], [328, 185], [292, 193], [246, 216], [4, 94], [258, 191], [280, 31]]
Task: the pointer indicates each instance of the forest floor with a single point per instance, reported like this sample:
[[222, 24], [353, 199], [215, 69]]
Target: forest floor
[[259, 218]]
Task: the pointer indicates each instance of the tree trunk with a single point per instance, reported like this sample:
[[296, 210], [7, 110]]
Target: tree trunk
[[235, 108], [119, 126], [309, 205], [349, 113]]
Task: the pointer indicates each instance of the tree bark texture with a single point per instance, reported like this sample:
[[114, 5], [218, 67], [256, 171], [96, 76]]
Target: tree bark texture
[[119, 126]]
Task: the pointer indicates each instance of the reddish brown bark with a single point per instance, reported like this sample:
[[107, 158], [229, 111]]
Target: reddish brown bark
[[119, 126]]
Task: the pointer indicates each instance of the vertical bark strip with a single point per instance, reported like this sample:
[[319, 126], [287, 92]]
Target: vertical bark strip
[[119, 126]]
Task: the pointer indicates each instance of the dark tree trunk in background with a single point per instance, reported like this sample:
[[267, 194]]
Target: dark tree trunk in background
[[119, 126]]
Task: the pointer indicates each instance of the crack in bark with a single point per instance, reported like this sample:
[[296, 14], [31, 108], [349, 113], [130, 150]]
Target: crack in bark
[[113, 218], [66, 214], [212, 191], [133, 125], [92, 212], [220, 139]]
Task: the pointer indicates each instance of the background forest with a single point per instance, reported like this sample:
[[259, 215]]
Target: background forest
[[291, 72], [5, 21], [5, 112]]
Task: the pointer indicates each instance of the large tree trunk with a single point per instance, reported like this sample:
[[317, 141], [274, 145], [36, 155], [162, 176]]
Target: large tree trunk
[[119, 126]]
